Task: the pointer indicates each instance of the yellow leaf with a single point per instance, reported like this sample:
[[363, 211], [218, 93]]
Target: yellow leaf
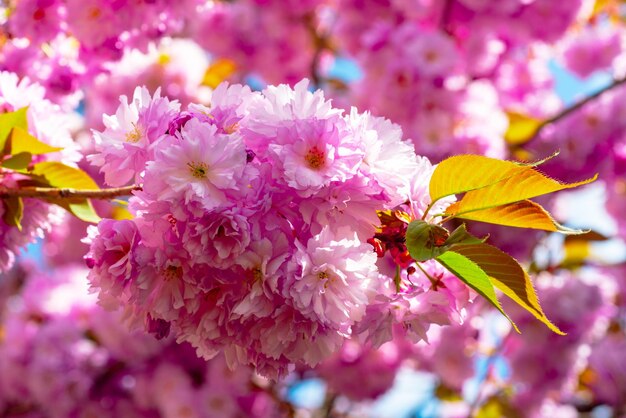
[[575, 253], [522, 185], [521, 128], [217, 72], [120, 213], [463, 173], [497, 407], [13, 211], [524, 214], [21, 141], [18, 162], [10, 120], [506, 274], [59, 175]]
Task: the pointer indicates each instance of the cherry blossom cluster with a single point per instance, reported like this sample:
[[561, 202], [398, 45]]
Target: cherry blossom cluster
[[65, 43], [50, 125], [63, 355], [253, 231]]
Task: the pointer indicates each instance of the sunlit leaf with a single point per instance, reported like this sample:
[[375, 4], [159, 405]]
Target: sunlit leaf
[[524, 214], [219, 71], [59, 175], [575, 253], [120, 213], [13, 211], [18, 162], [521, 128], [10, 120], [448, 394], [496, 407], [587, 236], [56, 174], [506, 274], [463, 173], [522, 185], [472, 275], [21, 141]]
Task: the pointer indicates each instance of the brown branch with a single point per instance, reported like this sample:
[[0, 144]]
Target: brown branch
[[576, 106], [55, 193]]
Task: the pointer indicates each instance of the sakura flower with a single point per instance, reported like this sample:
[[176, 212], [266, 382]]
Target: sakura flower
[[202, 165], [332, 279], [124, 146]]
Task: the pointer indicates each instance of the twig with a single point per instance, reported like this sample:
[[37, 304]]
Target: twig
[[55, 193], [320, 43], [569, 110]]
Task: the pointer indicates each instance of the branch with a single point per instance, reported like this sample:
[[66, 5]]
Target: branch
[[320, 43], [569, 110], [55, 193]]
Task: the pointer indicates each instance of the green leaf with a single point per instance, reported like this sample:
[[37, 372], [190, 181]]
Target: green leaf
[[472, 275], [425, 241], [56, 174], [506, 274], [10, 120], [81, 208], [463, 173], [13, 211], [524, 214], [21, 141], [18, 162], [461, 236]]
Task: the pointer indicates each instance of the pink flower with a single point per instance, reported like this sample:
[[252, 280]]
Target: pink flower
[[310, 154], [592, 50], [219, 238], [126, 144], [202, 165], [331, 278], [110, 258]]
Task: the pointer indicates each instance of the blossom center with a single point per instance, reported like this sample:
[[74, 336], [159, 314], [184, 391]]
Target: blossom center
[[431, 56], [94, 13], [257, 274], [198, 170], [172, 273], [134, 135], [315, 158], [231, 128], [39, 14]]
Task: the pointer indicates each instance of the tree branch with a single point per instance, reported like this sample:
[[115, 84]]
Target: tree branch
[[576, 106], [55, 193]]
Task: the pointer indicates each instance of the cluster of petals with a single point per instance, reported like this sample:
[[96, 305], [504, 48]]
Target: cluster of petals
[[62, 355], [251, 230]]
